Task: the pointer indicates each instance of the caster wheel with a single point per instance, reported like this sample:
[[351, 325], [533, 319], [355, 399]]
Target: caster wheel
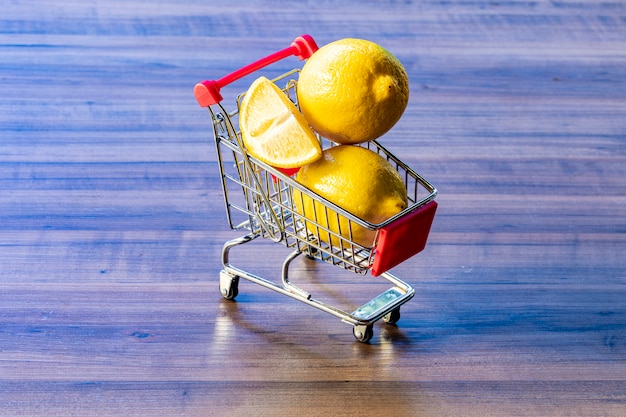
[[229, 285], [363, 333], [392, 317], [312, 252]]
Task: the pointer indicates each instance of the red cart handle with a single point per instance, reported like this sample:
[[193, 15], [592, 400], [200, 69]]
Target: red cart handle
[[208, 92]]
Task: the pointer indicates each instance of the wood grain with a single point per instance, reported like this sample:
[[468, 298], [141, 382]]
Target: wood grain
[[112, 218]]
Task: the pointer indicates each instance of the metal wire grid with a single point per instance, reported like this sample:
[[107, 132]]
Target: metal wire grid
[[260, 198]]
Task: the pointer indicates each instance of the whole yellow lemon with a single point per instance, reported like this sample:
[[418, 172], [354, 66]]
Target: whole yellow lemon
[[352, 90], [359, 181]]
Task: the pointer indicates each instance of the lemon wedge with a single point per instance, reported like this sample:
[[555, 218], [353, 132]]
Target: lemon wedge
[[273, 130]]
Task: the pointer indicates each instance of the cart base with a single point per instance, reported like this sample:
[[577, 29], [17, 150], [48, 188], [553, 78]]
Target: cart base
[[385, 306]]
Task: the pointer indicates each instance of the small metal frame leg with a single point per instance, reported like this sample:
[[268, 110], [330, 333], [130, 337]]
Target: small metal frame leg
[[285, 277]]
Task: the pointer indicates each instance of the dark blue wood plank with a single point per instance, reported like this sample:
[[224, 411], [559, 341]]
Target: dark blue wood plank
[[112, 218]]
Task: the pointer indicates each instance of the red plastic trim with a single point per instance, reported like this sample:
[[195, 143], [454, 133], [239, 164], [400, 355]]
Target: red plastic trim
[[208, 92], [403, 238]]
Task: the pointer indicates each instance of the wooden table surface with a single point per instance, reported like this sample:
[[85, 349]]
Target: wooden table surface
[[112, 219]]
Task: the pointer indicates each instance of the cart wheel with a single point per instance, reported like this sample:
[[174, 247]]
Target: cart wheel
[[392, 317], [312, 252], [363, 333], [229, 285]]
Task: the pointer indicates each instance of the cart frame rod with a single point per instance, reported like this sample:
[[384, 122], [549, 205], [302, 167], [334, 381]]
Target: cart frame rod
[[405, 290]]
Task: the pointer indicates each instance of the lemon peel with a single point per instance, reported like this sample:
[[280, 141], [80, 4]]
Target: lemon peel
[[359, 181], [352, 90]]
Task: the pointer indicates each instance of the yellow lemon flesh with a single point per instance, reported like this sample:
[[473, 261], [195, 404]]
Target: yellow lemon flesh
[[359, 181], [352, 90], [273, 130]]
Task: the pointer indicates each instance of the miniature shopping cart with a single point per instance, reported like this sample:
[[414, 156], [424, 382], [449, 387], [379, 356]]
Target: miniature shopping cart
[[259, 200]]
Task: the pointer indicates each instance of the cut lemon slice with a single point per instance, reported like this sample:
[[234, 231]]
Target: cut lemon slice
[[273, 129]]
